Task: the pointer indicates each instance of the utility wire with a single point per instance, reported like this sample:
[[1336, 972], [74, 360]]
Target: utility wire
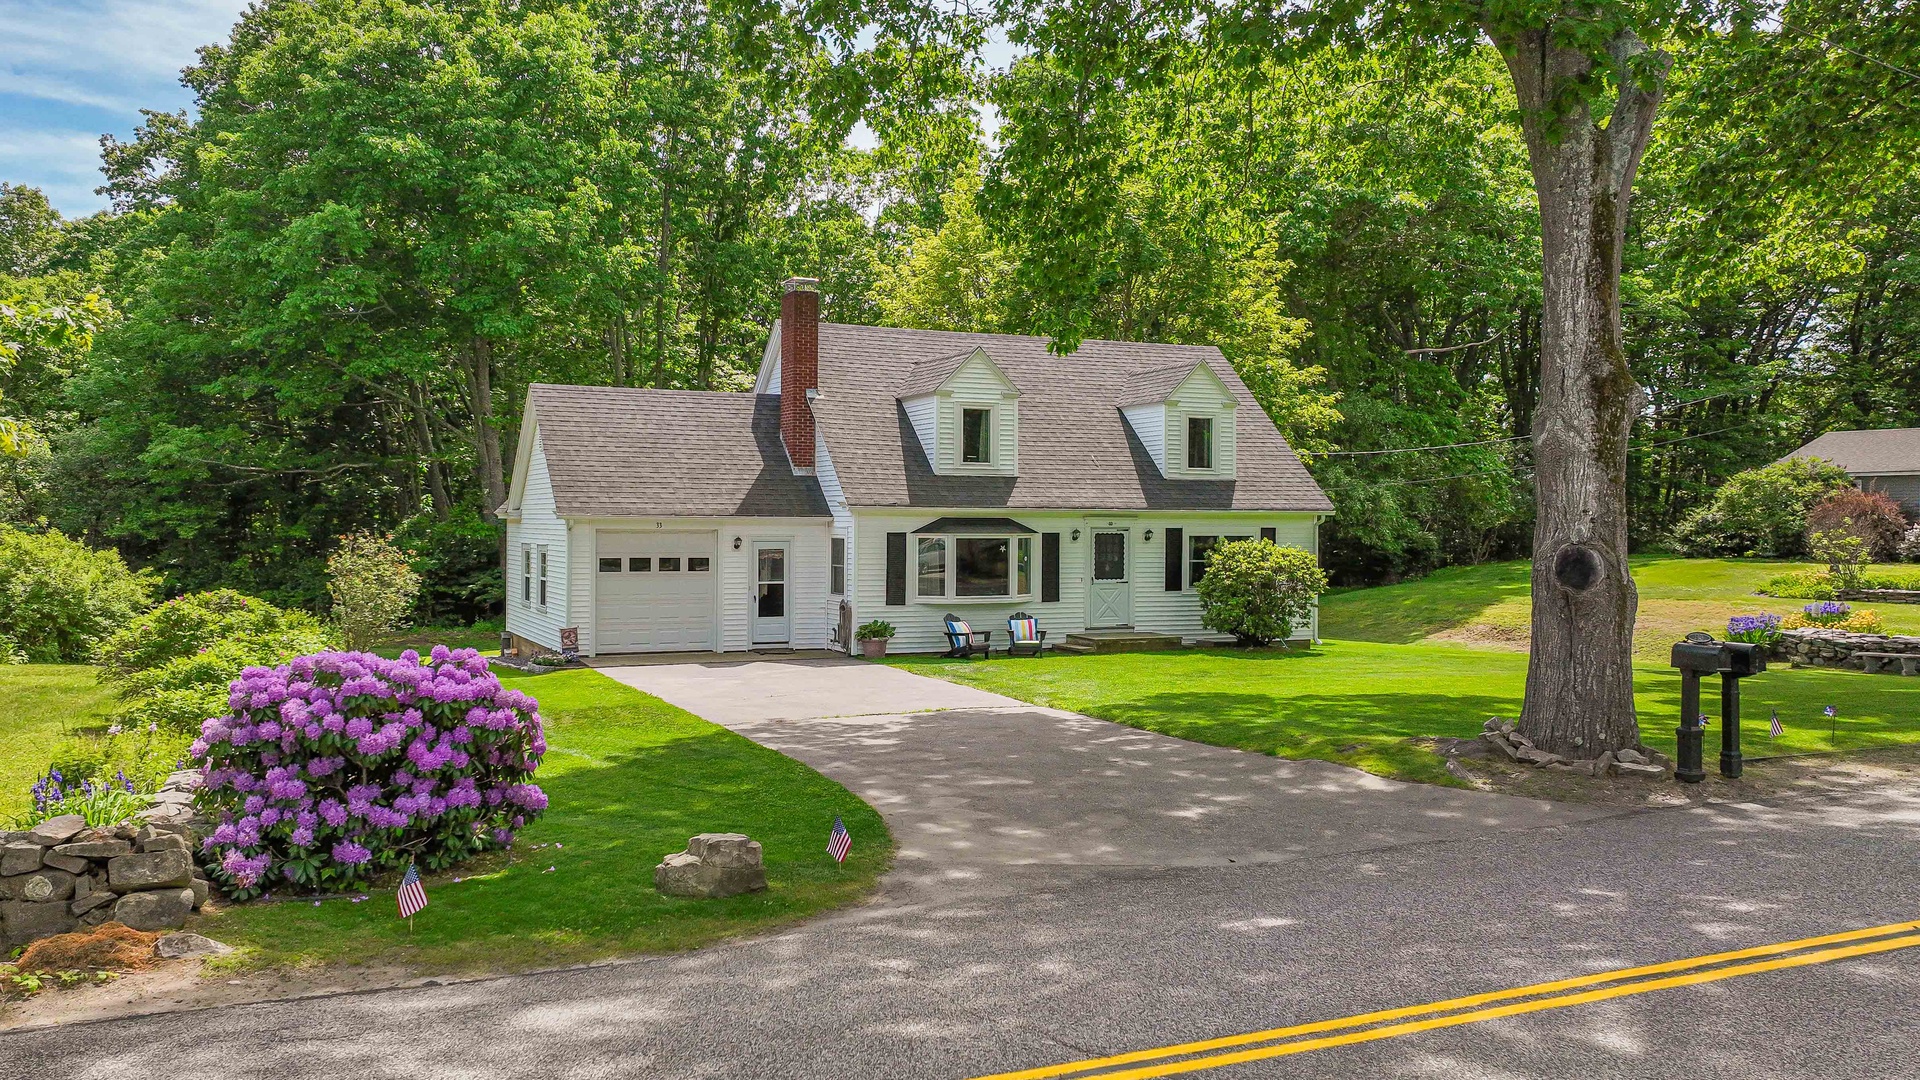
[[1785, 25]]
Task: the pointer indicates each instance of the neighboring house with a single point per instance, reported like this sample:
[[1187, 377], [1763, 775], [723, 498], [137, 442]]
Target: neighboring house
[[878, 473], [1886, 460]]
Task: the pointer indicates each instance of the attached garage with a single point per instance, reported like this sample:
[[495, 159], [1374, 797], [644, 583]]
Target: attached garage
[[656, 592]]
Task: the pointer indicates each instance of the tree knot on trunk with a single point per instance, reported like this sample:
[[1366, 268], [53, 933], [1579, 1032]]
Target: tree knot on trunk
[[1577, 567]]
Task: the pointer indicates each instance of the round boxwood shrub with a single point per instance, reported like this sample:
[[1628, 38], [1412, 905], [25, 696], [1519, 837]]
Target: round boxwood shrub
[[338, 766], [1259, 591]]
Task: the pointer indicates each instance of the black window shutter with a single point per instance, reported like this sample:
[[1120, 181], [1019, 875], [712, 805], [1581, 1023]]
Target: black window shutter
[[1049, 567], [896, 569], [1176, 552], [1270, 535]]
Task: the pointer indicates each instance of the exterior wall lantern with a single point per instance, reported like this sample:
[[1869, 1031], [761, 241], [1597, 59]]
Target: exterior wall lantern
[[736, 543], [1149, 536], [1076, 536]]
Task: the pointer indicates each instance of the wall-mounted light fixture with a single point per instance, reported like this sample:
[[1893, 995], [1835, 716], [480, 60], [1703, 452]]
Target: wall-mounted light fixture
[[736, 543], [1076, 536], [1149, 536]]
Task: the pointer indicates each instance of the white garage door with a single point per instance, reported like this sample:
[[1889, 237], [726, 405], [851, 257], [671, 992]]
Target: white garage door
[[654, 592]]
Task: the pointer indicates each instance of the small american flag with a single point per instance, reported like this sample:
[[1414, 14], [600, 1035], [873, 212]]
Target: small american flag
[[412, 896], [1773, 724], [840, 842]]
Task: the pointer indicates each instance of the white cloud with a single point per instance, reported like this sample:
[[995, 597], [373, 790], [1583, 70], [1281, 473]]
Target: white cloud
[[64, 164], [72, 64]]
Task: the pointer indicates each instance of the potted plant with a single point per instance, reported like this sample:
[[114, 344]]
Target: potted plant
[[873, 637]]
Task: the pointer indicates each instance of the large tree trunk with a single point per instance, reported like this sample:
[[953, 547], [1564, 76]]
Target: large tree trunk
[[1579, 699], [486, 437]]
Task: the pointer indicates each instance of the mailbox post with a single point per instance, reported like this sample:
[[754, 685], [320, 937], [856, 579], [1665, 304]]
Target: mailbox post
[[1701, 655]]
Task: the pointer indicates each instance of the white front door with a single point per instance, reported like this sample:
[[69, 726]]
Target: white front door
[[654, 592], [1109, 594], [772, 602]]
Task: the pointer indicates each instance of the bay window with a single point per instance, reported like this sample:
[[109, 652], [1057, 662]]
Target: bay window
[[982, 567]]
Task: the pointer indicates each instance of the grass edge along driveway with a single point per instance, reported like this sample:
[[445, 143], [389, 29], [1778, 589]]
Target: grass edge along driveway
[[1371, 705], [629, 778]]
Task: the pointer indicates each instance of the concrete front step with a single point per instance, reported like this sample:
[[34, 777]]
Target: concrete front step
[[1114, 641]]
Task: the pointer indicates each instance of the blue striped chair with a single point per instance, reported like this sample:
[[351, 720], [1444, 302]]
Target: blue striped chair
[[1024, 636], [965, 640]]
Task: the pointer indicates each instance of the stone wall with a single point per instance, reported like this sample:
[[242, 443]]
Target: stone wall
[[1835, 648], [61, 875]]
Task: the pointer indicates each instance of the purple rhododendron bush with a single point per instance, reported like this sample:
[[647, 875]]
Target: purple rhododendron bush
[[340, 765]]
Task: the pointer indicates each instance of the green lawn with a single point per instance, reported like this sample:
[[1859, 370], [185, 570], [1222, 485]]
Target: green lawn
[[40, 705], [1490, 605], [1366, 703], [630, 778]]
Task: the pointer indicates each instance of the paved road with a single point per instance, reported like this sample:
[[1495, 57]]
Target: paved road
[[1068, 888]]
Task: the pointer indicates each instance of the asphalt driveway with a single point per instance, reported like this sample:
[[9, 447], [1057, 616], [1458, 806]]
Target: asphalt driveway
[[969, 780], [1069, 888]]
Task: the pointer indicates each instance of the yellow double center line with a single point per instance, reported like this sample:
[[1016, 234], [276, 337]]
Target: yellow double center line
[[1453, 1012]]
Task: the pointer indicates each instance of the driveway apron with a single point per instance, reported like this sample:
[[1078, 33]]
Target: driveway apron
[[968, 779]]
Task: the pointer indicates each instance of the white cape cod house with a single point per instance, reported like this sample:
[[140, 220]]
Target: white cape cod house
[[878, 473]]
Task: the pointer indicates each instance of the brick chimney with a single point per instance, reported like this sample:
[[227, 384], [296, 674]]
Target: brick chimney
[[799, 366]]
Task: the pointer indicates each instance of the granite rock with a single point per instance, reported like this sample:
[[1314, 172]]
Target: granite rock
[[162, 909]]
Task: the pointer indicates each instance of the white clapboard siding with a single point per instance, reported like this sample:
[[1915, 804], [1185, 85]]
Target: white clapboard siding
[[538, 525], [1149, 424], [918, 623]]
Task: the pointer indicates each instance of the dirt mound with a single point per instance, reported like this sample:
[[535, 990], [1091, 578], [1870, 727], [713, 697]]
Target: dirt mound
[[107, 947]]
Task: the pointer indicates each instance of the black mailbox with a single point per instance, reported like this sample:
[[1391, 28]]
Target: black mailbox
[[1701, 655], [1740, 659]]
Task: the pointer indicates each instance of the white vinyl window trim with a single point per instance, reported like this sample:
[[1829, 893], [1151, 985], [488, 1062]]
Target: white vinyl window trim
[[837, 567], [541, 558], [944, 549], [526, 575]]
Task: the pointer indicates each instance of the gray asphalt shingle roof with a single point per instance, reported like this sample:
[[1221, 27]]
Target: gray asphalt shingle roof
[[623, 452], [1076, 450], [1868, 453]]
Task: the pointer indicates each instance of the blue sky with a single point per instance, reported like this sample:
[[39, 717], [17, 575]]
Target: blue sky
[[71, 70]]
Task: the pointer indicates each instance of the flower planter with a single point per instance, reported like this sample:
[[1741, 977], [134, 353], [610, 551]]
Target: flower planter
[[873, 648]]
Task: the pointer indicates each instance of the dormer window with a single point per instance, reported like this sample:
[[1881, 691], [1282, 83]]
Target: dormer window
[[965, 414], [976, 436], [1199, 442], [1183, 415]]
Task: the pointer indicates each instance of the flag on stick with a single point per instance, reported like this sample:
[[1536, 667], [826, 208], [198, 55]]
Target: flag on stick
[[1773, 724], [412, 896], [840, 842]]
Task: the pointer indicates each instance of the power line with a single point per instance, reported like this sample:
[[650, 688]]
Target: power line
[[1785, 25], [1417, 449]]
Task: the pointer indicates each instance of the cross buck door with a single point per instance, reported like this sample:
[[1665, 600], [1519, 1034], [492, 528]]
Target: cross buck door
[[1109, 595]]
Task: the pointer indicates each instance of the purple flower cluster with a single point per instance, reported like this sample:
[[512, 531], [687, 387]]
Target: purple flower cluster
[[1828, 609], [339, 765], [1756, 629]]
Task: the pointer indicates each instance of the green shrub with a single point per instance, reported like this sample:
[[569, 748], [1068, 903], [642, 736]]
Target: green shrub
[[1761, 511], [185, 625], [372, 588], [60, 598], [877, 630], [1258, 591], [1803, 585]]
